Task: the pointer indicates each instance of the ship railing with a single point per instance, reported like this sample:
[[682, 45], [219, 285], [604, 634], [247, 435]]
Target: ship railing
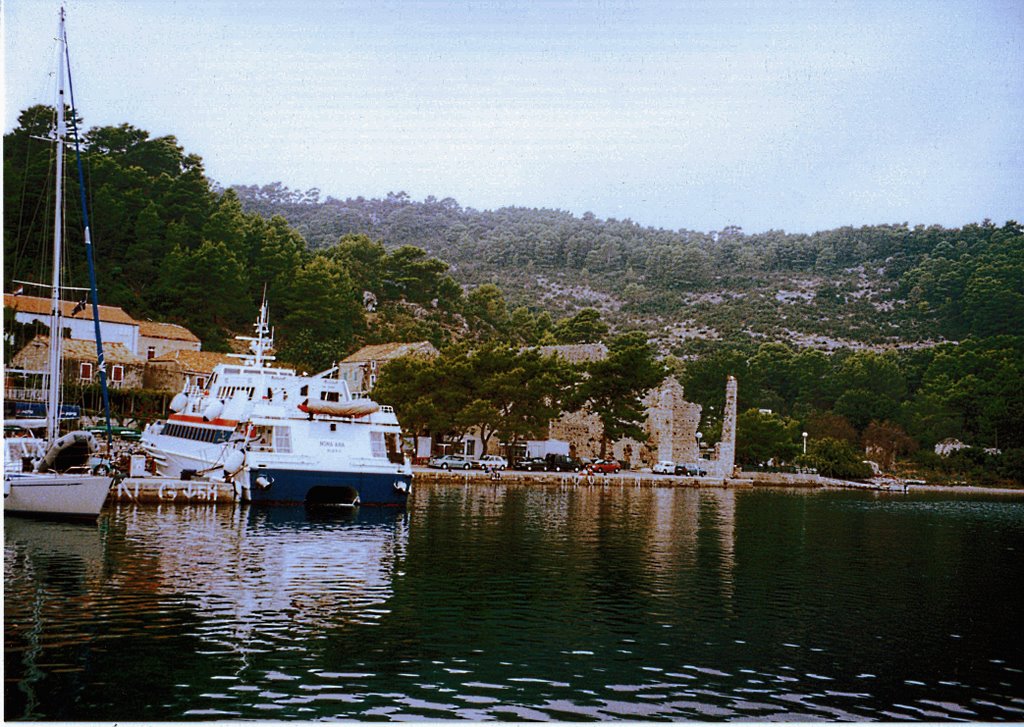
[[12, 393]]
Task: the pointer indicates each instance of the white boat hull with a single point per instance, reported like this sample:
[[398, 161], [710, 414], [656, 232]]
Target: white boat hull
[[56, 495]]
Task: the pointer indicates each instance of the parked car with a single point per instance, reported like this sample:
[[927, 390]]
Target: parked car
[[450, 462], [605, 466], [562, 463], [665, 467], [532, 464], [492, 461], [690, 470]]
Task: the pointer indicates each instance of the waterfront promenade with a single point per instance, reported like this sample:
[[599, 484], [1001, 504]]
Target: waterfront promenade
[[160, 490]]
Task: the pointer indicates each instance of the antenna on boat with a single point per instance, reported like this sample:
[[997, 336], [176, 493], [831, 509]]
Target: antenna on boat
[[262, 342]]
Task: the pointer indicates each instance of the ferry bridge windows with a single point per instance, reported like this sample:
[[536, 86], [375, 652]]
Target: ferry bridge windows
[[198, 434]]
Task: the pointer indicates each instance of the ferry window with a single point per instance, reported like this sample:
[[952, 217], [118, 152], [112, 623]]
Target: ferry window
[[377, 445], [283, 439], [117, 373], [85, 371]]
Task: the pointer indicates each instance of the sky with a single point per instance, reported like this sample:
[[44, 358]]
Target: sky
[[788, 115]]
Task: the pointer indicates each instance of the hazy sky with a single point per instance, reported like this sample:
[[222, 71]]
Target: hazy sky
[[788, 115]]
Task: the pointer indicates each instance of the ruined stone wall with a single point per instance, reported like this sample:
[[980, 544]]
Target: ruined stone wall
[[671, 428]]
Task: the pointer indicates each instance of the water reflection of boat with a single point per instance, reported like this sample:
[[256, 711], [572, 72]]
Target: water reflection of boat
[[261, 566]]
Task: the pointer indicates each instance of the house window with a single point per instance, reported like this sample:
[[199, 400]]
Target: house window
[[201, 382], [85, 371], [117, 373], [151, 353]]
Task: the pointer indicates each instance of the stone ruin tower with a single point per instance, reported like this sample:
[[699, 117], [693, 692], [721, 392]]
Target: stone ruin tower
[[727, 446]]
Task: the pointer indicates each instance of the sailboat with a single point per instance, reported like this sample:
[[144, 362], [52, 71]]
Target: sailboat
[[51, 477]]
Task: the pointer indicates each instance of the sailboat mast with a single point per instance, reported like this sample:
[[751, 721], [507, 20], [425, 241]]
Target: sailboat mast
[[101, 364], [53, 392]]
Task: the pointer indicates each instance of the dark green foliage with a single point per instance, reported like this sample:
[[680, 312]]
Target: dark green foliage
[[762, 436], [614, 386], [504, 391], [835, 458]]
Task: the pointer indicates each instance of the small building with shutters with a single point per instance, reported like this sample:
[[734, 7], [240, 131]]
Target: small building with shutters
[[158, 339], [170, 371], [360, 370], [125, 370]]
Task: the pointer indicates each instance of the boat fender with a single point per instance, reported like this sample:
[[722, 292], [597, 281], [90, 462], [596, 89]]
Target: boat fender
[[401, 486], [233, 460], [264, 481], [179, 402], [213, 410]]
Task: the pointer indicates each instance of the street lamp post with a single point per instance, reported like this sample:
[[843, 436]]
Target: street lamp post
[[805, 442]]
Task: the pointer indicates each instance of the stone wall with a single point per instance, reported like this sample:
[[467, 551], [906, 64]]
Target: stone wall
[[671, 427]]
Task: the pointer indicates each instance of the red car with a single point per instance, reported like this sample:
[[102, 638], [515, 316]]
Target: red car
[[606, 466]]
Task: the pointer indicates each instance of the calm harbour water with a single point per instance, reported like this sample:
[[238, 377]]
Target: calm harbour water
[[516, 603]]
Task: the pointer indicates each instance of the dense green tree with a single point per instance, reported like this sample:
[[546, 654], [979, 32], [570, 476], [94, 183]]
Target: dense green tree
[[487, 305], [515, 393], [614, 386], [321, 314], [835, 458], [763, 436], [584, 327], [426, 393]]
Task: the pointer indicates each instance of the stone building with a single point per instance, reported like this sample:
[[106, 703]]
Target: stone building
[[158, 339], [671, 422], [671, 427], [116, 326], [360, 370], [125, 370], [142, 338], [170, 371]]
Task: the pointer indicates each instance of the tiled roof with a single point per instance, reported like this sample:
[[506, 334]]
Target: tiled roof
[[388, 351], [80, 350], [199, 361], [41, 306], [152, 329]]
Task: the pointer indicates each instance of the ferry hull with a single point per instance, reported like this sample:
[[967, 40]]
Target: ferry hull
[[58, 496], [268, 485]]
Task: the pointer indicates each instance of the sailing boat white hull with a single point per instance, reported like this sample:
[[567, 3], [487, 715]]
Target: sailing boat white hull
[[78, 497]]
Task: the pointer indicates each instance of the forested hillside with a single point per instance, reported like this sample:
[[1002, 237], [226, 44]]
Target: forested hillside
[[885, 284], [765, 307]]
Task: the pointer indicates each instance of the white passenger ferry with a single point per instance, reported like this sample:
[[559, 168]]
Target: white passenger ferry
[[282, 437]]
